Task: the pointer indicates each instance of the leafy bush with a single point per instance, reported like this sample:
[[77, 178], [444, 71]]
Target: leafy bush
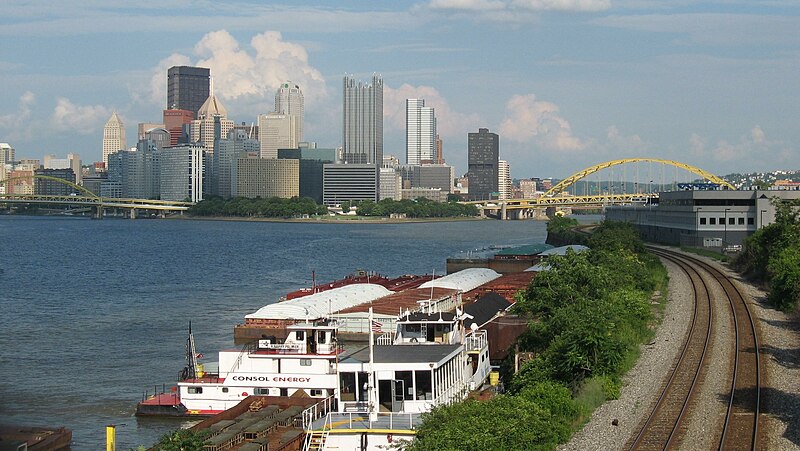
[[537, 419]]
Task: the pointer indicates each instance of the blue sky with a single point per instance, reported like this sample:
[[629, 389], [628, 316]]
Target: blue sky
[[565, 83]]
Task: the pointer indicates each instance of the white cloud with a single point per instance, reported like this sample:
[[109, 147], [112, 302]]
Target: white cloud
[[753, 149], [85, 120], [18, 125], [467, 5], [245, 79], [449, 123], [564, 5], [531, 5], [531, 120], [622, 143]]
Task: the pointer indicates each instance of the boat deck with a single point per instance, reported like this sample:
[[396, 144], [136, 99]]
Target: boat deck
[[385, 422]]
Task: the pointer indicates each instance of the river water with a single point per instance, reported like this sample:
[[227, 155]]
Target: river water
[[93, 313]]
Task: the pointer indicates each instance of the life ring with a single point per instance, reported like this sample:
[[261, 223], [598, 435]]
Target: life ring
[[244, 393]]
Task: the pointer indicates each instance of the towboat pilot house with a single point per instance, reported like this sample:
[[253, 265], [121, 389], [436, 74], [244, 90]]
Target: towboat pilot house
[[425, 363]]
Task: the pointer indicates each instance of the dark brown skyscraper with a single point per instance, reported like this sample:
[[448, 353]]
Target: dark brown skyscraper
[[483, 155], [187, 87]]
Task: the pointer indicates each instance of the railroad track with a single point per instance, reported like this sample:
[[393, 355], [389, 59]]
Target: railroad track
[[740, 429]]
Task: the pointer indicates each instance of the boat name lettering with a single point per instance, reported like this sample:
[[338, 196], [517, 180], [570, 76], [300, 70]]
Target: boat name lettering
[[273, 379]]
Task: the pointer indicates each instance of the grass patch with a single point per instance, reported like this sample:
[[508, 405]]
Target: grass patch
[[705, 253]]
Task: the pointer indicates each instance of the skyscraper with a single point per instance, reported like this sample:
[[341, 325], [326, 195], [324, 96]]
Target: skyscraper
[[362, 130], [187, 87], [113, 137], [277, 131], [503, 180], [420, 132], [289, 100], [6, 153], [483, 155], [212, 123]]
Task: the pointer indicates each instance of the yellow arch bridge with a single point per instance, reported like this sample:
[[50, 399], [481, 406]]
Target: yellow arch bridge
[[82, 197], [557, 197]]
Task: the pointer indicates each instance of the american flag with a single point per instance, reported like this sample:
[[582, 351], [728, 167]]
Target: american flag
[[376, 326]]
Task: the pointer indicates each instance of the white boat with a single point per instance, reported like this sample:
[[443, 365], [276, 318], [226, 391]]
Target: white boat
[[304, 362], [430, 360]]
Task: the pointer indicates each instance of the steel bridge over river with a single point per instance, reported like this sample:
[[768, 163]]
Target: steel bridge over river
[[558, 197], [597, 196], [83, 198]]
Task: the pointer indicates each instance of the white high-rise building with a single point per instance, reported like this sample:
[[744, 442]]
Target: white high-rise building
[[113, 137], [6, 154], [289, 100], [362, 122], [420, 132], [503, 179], [212, 123], [277, 131]]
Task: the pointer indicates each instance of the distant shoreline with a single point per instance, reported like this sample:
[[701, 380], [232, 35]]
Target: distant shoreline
[[327, 219]]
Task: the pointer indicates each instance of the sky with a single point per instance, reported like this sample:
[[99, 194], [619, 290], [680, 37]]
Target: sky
[[567, 84]]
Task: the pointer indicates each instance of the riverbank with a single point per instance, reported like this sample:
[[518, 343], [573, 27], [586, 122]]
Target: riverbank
[[328, 219]]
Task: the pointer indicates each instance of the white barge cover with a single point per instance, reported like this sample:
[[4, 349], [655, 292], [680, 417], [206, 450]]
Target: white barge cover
[[464, 280], [319, 305]]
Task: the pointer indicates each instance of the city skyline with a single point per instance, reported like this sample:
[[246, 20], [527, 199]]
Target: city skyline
[[565, 84]]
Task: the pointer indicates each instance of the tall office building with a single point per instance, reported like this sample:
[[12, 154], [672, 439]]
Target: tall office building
[[483, 156], [362, 124], [6, 154], [349, 182], [236, 145], [212, 123], [181, 173], [49, 187], [187, 87], [277, 131], [73, 161], [420, 132], [439, 157], [135, 173], [503, 180], [253, 177], [174, 122], [113, 137], [289, 100]]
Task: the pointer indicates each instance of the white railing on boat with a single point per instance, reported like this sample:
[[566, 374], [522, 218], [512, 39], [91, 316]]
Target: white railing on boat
[[476, 341], [363, 420], [318, 410], [384, 340]]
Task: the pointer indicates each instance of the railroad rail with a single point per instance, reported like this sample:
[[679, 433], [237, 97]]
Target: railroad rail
[[663, 424], [740, 428]]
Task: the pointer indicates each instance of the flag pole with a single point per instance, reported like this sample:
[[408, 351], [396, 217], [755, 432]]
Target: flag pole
[[373, 395]]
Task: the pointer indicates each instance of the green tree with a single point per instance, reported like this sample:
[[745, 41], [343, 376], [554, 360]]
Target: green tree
[[182, 440]]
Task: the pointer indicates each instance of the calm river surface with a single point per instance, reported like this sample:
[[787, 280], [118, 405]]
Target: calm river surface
[[93, 313]]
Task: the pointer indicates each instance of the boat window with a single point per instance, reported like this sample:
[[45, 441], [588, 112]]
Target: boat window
[[261, 391], [408, 380], [348, 386], [414, 328], [424, 385], [195, 390], [322, 336], [224, 389], [284, 392], [300, 335], [316, 392], [305, 362]]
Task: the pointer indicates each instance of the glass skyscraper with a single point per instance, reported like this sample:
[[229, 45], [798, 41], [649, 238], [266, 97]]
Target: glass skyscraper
[[420, 132], [187, 87], [362, 130]]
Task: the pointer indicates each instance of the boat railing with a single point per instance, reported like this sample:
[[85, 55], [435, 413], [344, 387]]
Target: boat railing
[[476, 341], [363, 420], [318, 410], [384, 340]]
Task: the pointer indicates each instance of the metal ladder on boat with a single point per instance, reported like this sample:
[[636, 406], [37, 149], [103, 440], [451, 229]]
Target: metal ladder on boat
[[316, 440]]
